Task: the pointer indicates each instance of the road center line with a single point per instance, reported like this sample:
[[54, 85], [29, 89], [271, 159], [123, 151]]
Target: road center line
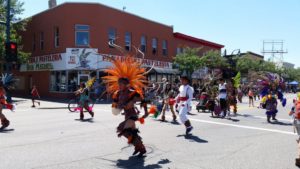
[[245, 127]]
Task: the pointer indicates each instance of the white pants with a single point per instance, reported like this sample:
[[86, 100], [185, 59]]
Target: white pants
[[183, 110]]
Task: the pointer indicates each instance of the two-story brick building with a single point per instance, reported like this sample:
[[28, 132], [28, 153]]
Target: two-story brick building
[[70, 40]]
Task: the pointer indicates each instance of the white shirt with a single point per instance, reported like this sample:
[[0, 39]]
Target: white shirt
[[222, 95], [186, 91]]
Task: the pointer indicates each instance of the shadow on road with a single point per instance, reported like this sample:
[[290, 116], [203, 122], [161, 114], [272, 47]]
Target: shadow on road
[[90, 120], [6, 130], [281, 123], [193, 138], [52, 108], [169, 122], [139, 163]]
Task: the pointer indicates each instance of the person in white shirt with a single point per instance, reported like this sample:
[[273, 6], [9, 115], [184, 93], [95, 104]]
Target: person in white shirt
[[223, 97], [184, 102]]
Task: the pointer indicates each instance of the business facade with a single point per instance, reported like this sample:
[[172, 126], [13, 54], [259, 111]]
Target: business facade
[[71, 40]]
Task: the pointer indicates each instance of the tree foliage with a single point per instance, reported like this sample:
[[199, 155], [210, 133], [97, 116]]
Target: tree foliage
[[17, 25], [213, 59], [189, 60]]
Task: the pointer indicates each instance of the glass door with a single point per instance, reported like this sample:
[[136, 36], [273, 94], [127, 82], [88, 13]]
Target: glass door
[[83, 78]]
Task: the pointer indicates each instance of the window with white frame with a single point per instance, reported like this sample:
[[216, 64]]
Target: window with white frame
[[56, 37], [42, 40], [112, 33], [165, 47], [143, 43], [154, 46], [82, 35], [128, 41]]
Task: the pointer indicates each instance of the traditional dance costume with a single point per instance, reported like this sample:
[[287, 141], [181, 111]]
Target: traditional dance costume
[[184, 101], [129, 73]]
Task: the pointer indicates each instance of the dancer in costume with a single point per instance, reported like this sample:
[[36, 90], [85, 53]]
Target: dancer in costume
[[295, 113], [5, 123], [184, 102], [232, 98], [270, 85], [271, 107], [7, 82], [83, 94], [168, 96], [126, 81]]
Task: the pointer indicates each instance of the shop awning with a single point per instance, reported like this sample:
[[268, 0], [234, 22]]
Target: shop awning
[[164, 71]]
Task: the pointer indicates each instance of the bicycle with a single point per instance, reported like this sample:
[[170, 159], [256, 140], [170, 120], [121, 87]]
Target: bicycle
[[74, 105]]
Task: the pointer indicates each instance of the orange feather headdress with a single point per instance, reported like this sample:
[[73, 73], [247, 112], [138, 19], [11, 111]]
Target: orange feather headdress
[[128, 68]]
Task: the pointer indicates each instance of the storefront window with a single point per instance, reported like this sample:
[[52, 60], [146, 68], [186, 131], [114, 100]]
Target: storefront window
[[58, 81], [72, 80]]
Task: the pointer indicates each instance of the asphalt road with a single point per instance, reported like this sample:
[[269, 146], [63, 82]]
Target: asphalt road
[[50, 137]]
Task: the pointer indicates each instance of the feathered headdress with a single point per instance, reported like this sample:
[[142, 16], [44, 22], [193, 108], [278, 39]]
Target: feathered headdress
[[270, 83], [128, 68], [8, 80], [237, 80]]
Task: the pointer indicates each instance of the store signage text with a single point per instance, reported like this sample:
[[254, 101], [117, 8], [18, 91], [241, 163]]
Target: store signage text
[[46, 58], [144, 62]]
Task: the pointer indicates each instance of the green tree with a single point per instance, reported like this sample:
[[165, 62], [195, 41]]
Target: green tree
[[189, 60], [17, 25], [245, 64], [213, 59]]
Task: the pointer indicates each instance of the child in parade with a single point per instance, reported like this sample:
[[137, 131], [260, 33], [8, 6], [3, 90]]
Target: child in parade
[[168, 102], [83, 93], [251, 97], [223, 97], [35, 94]]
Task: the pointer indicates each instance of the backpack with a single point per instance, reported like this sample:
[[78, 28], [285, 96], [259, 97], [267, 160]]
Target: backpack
[[297, 110]]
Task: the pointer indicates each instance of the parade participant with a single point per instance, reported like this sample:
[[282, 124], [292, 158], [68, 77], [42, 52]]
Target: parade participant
[[271, 107], [240, 94], [251, 97], [126, 81], [4, 122], [35, 94], [295, 113], [184, 101], [7, 82], [232, 97], [83, 93], [223, 97], [168, 95]]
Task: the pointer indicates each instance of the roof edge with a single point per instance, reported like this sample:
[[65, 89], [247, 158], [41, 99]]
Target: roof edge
[[100, 4], [197, 40]]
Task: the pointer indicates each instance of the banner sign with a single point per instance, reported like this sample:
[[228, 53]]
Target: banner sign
[[82, 59]]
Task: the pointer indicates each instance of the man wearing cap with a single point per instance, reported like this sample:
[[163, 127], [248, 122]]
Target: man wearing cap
[[184, 101]]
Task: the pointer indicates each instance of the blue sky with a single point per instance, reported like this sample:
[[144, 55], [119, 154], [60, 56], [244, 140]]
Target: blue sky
[[237, 24]]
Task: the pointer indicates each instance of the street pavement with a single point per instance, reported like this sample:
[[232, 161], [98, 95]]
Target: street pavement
[[50, 137]]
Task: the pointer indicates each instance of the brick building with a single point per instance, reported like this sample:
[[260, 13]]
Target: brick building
[[70, 40]]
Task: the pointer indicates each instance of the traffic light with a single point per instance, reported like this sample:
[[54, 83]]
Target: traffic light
[[11, 52]]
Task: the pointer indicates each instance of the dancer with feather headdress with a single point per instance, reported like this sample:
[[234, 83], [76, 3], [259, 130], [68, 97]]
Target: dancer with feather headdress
[[126, 82], [7, 82], [271, 86]]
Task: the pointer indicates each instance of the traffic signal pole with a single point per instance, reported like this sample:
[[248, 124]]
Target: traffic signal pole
[[7, 21]]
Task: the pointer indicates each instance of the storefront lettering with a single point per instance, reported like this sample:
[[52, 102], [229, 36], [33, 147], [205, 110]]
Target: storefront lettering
[[46, 66], [144, 62], [46, 58], [29, 67]]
